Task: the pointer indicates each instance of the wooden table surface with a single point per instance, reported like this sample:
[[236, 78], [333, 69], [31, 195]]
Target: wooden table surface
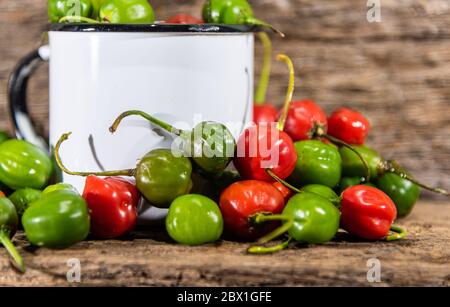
[[151, 259]]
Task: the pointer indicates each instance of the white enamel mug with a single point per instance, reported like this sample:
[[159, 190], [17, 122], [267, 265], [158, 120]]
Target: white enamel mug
[[183, 74]]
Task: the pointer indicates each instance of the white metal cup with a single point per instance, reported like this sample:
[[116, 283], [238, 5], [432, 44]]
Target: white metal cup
[[182, 74]]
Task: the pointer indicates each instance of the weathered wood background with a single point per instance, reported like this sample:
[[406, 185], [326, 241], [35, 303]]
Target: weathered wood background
[[396, 71]]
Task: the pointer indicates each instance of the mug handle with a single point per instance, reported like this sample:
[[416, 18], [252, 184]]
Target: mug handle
[[17, 94]]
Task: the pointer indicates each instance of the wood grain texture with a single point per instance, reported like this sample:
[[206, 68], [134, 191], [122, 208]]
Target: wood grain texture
[[151, 259], [397, 71]]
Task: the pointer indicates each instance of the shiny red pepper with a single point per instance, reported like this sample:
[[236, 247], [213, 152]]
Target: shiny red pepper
[[286, 192], [184, 19], [112, 206], [367, 212], [264, 114], [266, 147], [349, 126], [243, 200], [305, 120]]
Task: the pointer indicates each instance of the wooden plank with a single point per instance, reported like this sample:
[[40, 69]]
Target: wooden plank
[[396, 71], [149, 258]]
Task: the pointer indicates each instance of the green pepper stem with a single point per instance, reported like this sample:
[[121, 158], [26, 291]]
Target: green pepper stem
[[397, 233], [262, 218], [261, 92], [269, 250], [290, 91], [151, 119], [258, 22], [77, 19], [15, 256], [344, 144], [65, 137], [393, 167], [283, 182]]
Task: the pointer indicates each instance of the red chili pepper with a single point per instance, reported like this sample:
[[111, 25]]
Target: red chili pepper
[[367, 212], [184, 19], [349, 126], [2, 194], [112, 206], [266, 147], [305, 120], [243, 200]]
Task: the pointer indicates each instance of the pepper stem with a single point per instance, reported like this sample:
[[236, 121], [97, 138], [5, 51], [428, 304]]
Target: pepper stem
[[393, 167], [261, 92], [17, 260], [151, 119], [283, 182], [396, 233], [344, 144], [262, 218], [259, 22], [77, 19], [290, 91], [65, 137], [269, 250]]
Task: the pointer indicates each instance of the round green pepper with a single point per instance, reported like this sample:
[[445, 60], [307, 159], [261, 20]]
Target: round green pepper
[[127, 12], [23, 198], [57, 220], [318, 163], [194, 220], [323, 191], [58, 9], [403, 192], [316, 220], [59, 187], [8, 227], [23, 165], [352, 165]]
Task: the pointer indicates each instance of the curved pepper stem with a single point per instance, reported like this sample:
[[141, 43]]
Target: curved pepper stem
[[393, 167], [260, 97], [259, 22], [77, 19], [397, 233], [290, 91], [344, 144], [17, 260], [65, 137], [283, 182], [269, 250], [151, 119]]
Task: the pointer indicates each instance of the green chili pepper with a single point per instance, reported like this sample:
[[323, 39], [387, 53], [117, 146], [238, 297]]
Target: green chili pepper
[[23, 165], [59, 187], [23, 198], [57, 220], [194, 220], [160, 176], [308, 218], [8, 227], [318, 163], [232, 12], [4, 137], [353, 167], [127, 12], [96, 5], [211, 145], [323, 191], [58, 9], [347, 182], [403, 193]]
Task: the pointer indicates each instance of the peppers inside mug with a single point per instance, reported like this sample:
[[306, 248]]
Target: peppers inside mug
[[118, 67]]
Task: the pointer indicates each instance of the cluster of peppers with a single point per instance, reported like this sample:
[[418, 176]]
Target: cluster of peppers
[[291, 188], [237, 12]]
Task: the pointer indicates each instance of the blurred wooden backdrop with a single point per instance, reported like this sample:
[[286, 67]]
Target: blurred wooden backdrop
[[396, 71]]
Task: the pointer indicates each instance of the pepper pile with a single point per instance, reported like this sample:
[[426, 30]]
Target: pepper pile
[[236, 12]]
